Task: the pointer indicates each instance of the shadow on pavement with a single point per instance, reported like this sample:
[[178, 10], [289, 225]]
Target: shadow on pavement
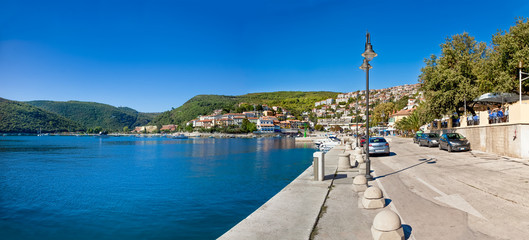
[[338, 176], [407, 230], [423, 161], [379, 155]]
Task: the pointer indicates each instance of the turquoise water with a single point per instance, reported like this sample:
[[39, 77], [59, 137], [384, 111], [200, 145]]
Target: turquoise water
[[138, 188]]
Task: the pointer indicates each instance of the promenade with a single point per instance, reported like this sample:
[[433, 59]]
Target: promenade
[[308, 209], [438, 195]]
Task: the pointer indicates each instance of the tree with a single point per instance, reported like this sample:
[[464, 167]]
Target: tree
[[248, 126], [401, 103], [189, 127], [382, 111], [452, 78], [98, 129], [336, 128], [318, 127], [126, 129], [500, 72]]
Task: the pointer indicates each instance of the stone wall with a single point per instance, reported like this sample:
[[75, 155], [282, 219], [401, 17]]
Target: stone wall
[[502, 139]]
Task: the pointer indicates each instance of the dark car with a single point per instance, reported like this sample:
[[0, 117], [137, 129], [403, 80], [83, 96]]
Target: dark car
[[416, 137], [429, 139], [454, 142]]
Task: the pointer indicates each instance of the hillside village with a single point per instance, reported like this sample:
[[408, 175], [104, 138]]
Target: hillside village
[[326, 114]]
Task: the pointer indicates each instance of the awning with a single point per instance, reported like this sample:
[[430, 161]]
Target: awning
[[500, 98]]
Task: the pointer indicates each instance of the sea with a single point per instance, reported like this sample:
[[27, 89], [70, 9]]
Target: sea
[[88, 187]]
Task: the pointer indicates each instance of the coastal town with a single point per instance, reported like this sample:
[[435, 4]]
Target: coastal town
[[329, 114]]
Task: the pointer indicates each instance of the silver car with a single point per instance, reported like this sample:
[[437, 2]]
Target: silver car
[[378, 145]]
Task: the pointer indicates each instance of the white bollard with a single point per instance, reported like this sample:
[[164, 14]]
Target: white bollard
[[343, 161], [348, 146], [373, 198], [360, 183], [358, 151], [387, 226], [360, 158], [319, 165], [352, 161]]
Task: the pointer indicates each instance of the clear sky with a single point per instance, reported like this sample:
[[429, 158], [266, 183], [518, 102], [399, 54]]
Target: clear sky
[[155, 55]]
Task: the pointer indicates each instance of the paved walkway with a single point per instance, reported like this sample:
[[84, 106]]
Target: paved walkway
[[308, 209], [438, 195], [293, 212]]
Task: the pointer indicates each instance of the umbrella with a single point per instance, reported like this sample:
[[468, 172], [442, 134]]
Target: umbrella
[[500, 98]]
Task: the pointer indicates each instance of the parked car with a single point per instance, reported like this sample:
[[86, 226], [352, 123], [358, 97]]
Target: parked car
[[378, 145], [362, 141], [429, 139], [416, 137], [453, 142]]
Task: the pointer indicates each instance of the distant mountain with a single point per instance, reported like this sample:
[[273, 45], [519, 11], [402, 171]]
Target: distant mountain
[[91, 114], [296, 102], [20, 117]]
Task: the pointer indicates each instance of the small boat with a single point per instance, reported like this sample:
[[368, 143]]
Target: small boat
[[180, 136], [327, 144]]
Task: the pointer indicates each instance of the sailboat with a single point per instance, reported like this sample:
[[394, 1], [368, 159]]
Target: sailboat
[[40, 134]]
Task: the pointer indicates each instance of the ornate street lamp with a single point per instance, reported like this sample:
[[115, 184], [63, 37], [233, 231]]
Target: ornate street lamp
[[356, 118], [368, 55]]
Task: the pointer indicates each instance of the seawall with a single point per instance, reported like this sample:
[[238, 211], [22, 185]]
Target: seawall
[[293, 212]]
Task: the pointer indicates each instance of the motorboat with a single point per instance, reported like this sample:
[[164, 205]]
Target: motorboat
[[328, 144], [180, 136]]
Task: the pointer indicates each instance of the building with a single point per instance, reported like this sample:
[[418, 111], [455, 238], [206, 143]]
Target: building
[[170, 128]]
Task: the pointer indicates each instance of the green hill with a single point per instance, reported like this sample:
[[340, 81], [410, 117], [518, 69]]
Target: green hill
[[296, 102], [91, 114], [19, 117]]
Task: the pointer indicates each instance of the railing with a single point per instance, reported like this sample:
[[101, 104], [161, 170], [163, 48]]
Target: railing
[[473, 121], [495, 118]]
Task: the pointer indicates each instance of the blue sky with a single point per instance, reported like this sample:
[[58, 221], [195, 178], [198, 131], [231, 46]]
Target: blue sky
[[155, 55]]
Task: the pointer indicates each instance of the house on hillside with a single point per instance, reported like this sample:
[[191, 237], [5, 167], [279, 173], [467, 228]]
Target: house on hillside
[[267, 125], [395, 117], [170, 128]]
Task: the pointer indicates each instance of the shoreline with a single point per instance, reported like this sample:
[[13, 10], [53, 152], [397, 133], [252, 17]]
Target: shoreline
[[293, 212]]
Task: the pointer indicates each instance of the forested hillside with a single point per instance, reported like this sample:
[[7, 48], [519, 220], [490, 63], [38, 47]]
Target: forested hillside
[[19, 117], [91, 114], [296, 102]]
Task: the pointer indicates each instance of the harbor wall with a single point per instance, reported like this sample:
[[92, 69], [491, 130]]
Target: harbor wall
[[504, 139]]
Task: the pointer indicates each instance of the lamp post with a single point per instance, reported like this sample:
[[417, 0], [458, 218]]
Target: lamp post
[[520, 66], [368, 55], [356, 108]]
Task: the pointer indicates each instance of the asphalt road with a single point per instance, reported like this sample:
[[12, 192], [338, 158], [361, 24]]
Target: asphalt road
[[459, 195]]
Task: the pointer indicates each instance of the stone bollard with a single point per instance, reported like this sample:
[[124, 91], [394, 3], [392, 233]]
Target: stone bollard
[[358, 151], [387, 226], [352, 161], [343, 161], [360, 183], [318, 166], [360, 158], [348, 146], [373, 198]]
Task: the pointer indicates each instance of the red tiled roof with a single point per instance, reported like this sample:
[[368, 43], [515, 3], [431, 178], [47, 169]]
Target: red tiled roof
[[403, 112]]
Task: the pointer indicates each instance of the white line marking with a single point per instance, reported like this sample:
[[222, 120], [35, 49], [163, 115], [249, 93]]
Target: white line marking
[[453, 200], [432, 187]]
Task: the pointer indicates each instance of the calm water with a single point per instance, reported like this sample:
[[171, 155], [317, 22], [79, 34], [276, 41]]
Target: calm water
[[138, 188]]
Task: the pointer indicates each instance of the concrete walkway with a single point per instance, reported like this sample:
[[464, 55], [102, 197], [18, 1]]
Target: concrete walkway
[[308, 209], [293, 212], [438, 195]]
